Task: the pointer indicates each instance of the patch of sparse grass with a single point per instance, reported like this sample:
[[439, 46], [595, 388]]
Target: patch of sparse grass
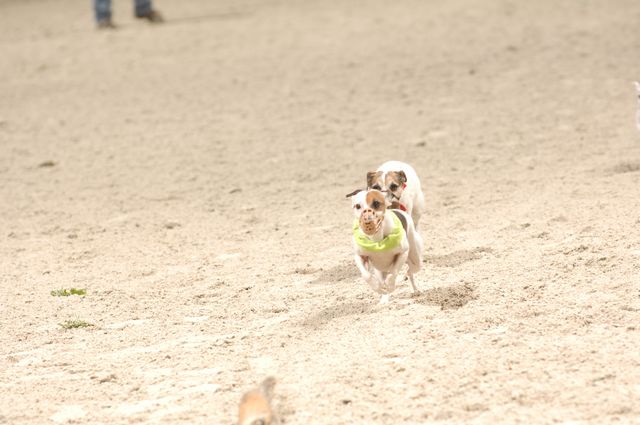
[[73, 324], [62, 292]]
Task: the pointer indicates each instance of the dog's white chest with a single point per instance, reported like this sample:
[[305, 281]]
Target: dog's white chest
[[383, 260]]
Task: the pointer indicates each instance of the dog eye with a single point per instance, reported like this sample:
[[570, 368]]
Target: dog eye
[[357, 206], [376, 187], [375, 205], [393, 187]]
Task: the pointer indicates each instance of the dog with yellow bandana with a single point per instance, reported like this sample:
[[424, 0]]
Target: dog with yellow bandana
[[384, 240]]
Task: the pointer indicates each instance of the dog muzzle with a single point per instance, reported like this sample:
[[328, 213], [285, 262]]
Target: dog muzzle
[[370, 222]]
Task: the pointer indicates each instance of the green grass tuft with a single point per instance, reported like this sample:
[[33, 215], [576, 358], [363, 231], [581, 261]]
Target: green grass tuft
[[73, 324], [67, 292]]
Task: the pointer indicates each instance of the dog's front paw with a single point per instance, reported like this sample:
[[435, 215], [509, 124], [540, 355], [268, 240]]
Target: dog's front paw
[[384, 300]]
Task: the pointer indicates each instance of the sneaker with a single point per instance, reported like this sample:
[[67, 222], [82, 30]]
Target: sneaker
[[152, 16], [105, 24]]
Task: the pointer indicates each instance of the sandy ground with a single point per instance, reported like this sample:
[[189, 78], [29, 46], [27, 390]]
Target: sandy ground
[[191, 177]]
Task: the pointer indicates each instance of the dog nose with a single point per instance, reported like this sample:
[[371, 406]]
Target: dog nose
[[368, 215]]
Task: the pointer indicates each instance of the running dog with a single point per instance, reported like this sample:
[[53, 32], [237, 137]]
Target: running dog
[[401, 184], [383, 241]]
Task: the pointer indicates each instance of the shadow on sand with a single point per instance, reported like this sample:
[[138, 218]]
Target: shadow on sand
[[337, 274], [446, 297], [220, 16], [328, 314]]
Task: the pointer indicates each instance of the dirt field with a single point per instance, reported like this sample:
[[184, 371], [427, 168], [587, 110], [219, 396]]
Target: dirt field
[[191, 177]]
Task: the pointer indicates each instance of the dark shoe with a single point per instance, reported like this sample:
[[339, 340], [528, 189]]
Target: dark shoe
[[106, 24], [152, 16]]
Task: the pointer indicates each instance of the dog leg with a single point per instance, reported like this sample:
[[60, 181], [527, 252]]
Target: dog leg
[[372, 281], [384, 296], [390, 282], [378, 280], [416, 291], [361, 264]]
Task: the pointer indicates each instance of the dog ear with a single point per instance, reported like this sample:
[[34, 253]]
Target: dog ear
[[403, 176], [371, 177], [349, 195]]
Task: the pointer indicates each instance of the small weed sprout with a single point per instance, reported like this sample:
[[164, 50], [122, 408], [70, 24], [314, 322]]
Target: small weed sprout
[[62, 292], [73, 324]]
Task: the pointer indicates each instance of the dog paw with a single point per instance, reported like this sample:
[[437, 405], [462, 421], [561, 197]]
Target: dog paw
[[384, 300]]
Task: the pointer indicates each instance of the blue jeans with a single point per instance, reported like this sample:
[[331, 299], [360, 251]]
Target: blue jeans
[[102, 8]]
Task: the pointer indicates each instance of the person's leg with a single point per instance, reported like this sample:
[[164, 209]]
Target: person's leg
[[102, 9], [142, 8]]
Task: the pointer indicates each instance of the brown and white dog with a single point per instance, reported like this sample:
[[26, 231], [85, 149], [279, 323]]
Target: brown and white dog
[[401, 184], [384, 240]]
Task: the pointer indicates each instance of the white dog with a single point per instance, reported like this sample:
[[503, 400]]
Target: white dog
[[402, 186], [383, 241]]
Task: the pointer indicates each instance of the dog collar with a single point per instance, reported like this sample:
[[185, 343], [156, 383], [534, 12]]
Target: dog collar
[[389, 242]]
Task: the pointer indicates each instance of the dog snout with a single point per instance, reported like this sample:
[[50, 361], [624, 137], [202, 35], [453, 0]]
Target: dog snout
[[368, 215]]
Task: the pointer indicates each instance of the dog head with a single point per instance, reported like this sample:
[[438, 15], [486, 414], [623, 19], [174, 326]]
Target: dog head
[[391, 182], [369, 208]]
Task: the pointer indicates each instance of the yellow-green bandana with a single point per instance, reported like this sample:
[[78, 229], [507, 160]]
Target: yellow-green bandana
[[391, 241]]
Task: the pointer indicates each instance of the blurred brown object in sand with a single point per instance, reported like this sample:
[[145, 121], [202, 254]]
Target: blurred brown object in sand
[[255, 405]]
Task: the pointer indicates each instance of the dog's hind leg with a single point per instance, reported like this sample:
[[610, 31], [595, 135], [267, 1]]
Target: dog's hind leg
[[413, 283]]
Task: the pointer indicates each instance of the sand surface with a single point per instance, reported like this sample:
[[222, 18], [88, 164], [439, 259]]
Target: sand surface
[[191, 177]]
